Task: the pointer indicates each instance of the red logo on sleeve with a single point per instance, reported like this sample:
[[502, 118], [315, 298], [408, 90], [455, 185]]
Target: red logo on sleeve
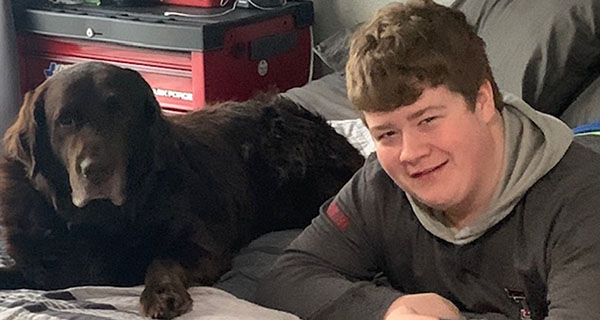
[[338, 217]]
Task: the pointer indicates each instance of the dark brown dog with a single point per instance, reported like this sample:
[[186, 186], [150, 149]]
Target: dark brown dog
[[98, 188]]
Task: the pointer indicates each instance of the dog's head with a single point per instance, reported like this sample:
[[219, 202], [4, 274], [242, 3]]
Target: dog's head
[[78, 133]]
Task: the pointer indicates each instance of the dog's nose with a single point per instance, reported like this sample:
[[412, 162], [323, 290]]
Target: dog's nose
[[93, 171]]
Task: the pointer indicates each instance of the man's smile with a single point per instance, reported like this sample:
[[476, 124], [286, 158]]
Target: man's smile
[[422, 173]]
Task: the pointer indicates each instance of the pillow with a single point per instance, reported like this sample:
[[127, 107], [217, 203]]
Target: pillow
[[586, 108], [327, 97], [333, 51], [545, 51]]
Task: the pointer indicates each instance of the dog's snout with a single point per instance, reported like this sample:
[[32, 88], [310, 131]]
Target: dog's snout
[[97, 177], [93, 170]]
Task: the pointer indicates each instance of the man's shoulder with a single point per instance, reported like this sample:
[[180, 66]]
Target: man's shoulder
[[579, 160], [576, 173], [370, 185], [374, 176], [567, 199]]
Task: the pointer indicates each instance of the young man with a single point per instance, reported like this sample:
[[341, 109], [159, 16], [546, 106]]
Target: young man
[[472, 207]]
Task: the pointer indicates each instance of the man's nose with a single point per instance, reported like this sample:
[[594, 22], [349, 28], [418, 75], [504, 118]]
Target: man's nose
[[413, 148]]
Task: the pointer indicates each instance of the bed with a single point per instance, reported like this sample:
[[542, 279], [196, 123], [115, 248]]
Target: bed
[[546, 51]]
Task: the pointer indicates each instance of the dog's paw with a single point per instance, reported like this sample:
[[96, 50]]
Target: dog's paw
[[165, 301]]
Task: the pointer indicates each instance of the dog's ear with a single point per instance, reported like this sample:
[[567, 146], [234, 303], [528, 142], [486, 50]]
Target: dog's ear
[[158, 128], [20, 140], [151, 107]]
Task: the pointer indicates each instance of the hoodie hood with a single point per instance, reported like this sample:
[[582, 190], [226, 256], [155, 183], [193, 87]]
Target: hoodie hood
[[534, 143]]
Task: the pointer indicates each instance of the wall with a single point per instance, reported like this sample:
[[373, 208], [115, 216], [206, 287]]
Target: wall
[[332, 15], [10, 96]]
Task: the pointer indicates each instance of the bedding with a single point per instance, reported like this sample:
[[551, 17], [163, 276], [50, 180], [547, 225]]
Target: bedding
[[96, 303], [546, 51], [586, 107], [327, 97]]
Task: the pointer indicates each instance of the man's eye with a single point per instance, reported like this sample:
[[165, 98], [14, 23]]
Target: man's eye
[[428, 120], [385, 135]]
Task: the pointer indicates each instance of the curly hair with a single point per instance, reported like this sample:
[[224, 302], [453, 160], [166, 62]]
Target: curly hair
[[408, 47]]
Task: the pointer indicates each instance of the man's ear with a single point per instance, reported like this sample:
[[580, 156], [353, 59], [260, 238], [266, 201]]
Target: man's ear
[[485, 102], [21, 139]]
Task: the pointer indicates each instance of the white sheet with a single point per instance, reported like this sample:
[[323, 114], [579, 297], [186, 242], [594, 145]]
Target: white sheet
[[95, 303]]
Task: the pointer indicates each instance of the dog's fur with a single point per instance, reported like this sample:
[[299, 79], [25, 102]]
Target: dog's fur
[[99, 188]]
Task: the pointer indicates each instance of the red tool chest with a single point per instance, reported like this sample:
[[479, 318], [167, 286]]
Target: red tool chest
[[198, 3], [188, 61]]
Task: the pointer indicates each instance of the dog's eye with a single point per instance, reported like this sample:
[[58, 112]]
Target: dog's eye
[[66, 121]]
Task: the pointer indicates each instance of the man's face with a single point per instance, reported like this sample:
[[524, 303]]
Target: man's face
[[437, 149]]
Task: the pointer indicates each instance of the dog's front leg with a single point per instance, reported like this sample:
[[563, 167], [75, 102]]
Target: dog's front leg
[[165, 295], [12, 278]]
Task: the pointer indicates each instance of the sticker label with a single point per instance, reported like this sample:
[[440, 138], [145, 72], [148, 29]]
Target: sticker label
[[54, 68], [187, 96]]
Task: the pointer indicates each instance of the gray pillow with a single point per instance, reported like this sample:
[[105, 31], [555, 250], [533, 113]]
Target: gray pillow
[[333, 50], [327, 97], [545, 51], [586, 108]]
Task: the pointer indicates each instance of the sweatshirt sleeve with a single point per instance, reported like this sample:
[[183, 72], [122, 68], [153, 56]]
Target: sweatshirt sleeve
[[329, 271]]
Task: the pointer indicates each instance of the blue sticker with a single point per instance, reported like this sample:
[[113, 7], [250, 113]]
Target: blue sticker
[[54, 68], [50, 71]]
